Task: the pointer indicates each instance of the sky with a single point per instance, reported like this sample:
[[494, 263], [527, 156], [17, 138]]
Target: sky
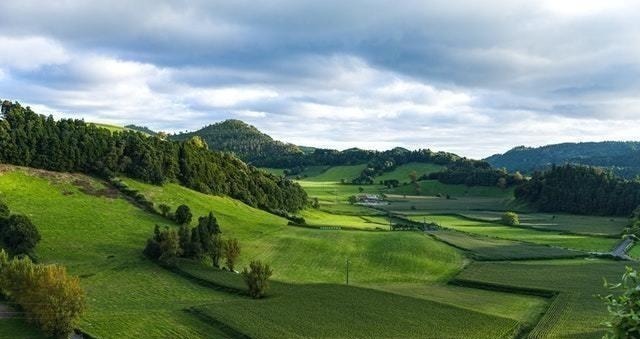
[[469, 77]]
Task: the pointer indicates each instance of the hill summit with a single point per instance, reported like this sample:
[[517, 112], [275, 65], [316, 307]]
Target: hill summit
[[242, 139]]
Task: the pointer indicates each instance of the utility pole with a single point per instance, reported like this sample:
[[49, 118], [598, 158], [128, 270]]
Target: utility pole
[[348, 271]]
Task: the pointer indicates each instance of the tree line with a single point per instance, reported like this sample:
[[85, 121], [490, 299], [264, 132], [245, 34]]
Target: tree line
[[580, 190], [29, 139]]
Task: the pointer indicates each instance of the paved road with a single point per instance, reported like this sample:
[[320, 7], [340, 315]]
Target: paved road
[[620, 250]]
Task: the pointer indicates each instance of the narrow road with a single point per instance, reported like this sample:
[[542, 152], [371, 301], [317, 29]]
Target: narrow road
[[620, 250]]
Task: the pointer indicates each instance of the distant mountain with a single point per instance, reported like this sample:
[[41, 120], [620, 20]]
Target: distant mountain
[[245, 141], [623, 158]]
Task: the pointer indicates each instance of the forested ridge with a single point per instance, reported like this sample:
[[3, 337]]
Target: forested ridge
[[620, 157], [581, 190], [33, 140]]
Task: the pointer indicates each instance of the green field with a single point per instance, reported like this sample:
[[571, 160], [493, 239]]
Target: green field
[[582, 224], [321, 218], [100, 238], [488, 248], [576, 312], [419, 310], [375, 256], [401, 173], [434, 187], [335, 173], [577, 242]]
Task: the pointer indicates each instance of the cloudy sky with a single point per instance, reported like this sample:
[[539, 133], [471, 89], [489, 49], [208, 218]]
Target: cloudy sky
[[472, 77]]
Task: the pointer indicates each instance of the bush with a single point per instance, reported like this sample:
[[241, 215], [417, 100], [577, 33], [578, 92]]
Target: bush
[[257, 278], [19, 234], [510, 219]]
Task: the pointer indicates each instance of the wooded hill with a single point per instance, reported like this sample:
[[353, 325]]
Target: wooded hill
[[243, 140], [29, 139], [622, 158]]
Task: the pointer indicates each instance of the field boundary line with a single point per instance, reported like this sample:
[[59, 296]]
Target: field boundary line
[[223, 327]]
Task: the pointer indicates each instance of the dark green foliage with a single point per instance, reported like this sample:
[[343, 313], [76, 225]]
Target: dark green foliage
[[257, 278], [18, 234], [244, 141], [580, 190], [164, 209], [4, 210], [164, 245], [29, 139], [183, 215], [624, 306], [475, 173], [622, 158]]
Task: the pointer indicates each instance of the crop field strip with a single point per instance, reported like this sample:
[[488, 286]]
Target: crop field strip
[[577, 312], [569, 241]]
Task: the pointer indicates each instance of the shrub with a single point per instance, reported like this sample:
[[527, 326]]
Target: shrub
[[257, 278], [19, 234], [164, 210], [510, 219]]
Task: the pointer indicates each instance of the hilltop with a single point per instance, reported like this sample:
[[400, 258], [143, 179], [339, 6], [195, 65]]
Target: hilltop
[[242, 139], [622, 157]]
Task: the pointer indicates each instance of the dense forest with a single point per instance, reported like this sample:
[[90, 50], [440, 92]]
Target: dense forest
[[29, 139], [244, 141], [580, 190], [622, 158], [475, 173]]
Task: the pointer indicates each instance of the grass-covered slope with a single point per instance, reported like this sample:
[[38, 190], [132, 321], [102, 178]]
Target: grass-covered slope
[[312, 255], [338, 173], [99, 237]]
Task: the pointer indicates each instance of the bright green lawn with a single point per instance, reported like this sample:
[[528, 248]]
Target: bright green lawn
[[401, 173], [101, 240], [578, 242], [337, 173], [292, 251], [576, 312]]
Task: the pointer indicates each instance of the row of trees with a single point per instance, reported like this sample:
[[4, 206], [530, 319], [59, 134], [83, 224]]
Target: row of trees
[[17, 233], [204, 241], [50, 298], [29, 139], [475, 173], [580, 190]]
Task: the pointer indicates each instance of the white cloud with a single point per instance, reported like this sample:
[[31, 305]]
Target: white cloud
[[30, 53]]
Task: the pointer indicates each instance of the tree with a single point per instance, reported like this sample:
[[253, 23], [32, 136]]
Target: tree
[[231, 252], [510, 219], [4, 210], [185, 239], [502, 183], [183, 215], [624, 306], [257, 278], [164, 209], [216, 248], [170, 245], [352, 199], [19, 234], [413, 176], [51, 298], [315, 203]]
